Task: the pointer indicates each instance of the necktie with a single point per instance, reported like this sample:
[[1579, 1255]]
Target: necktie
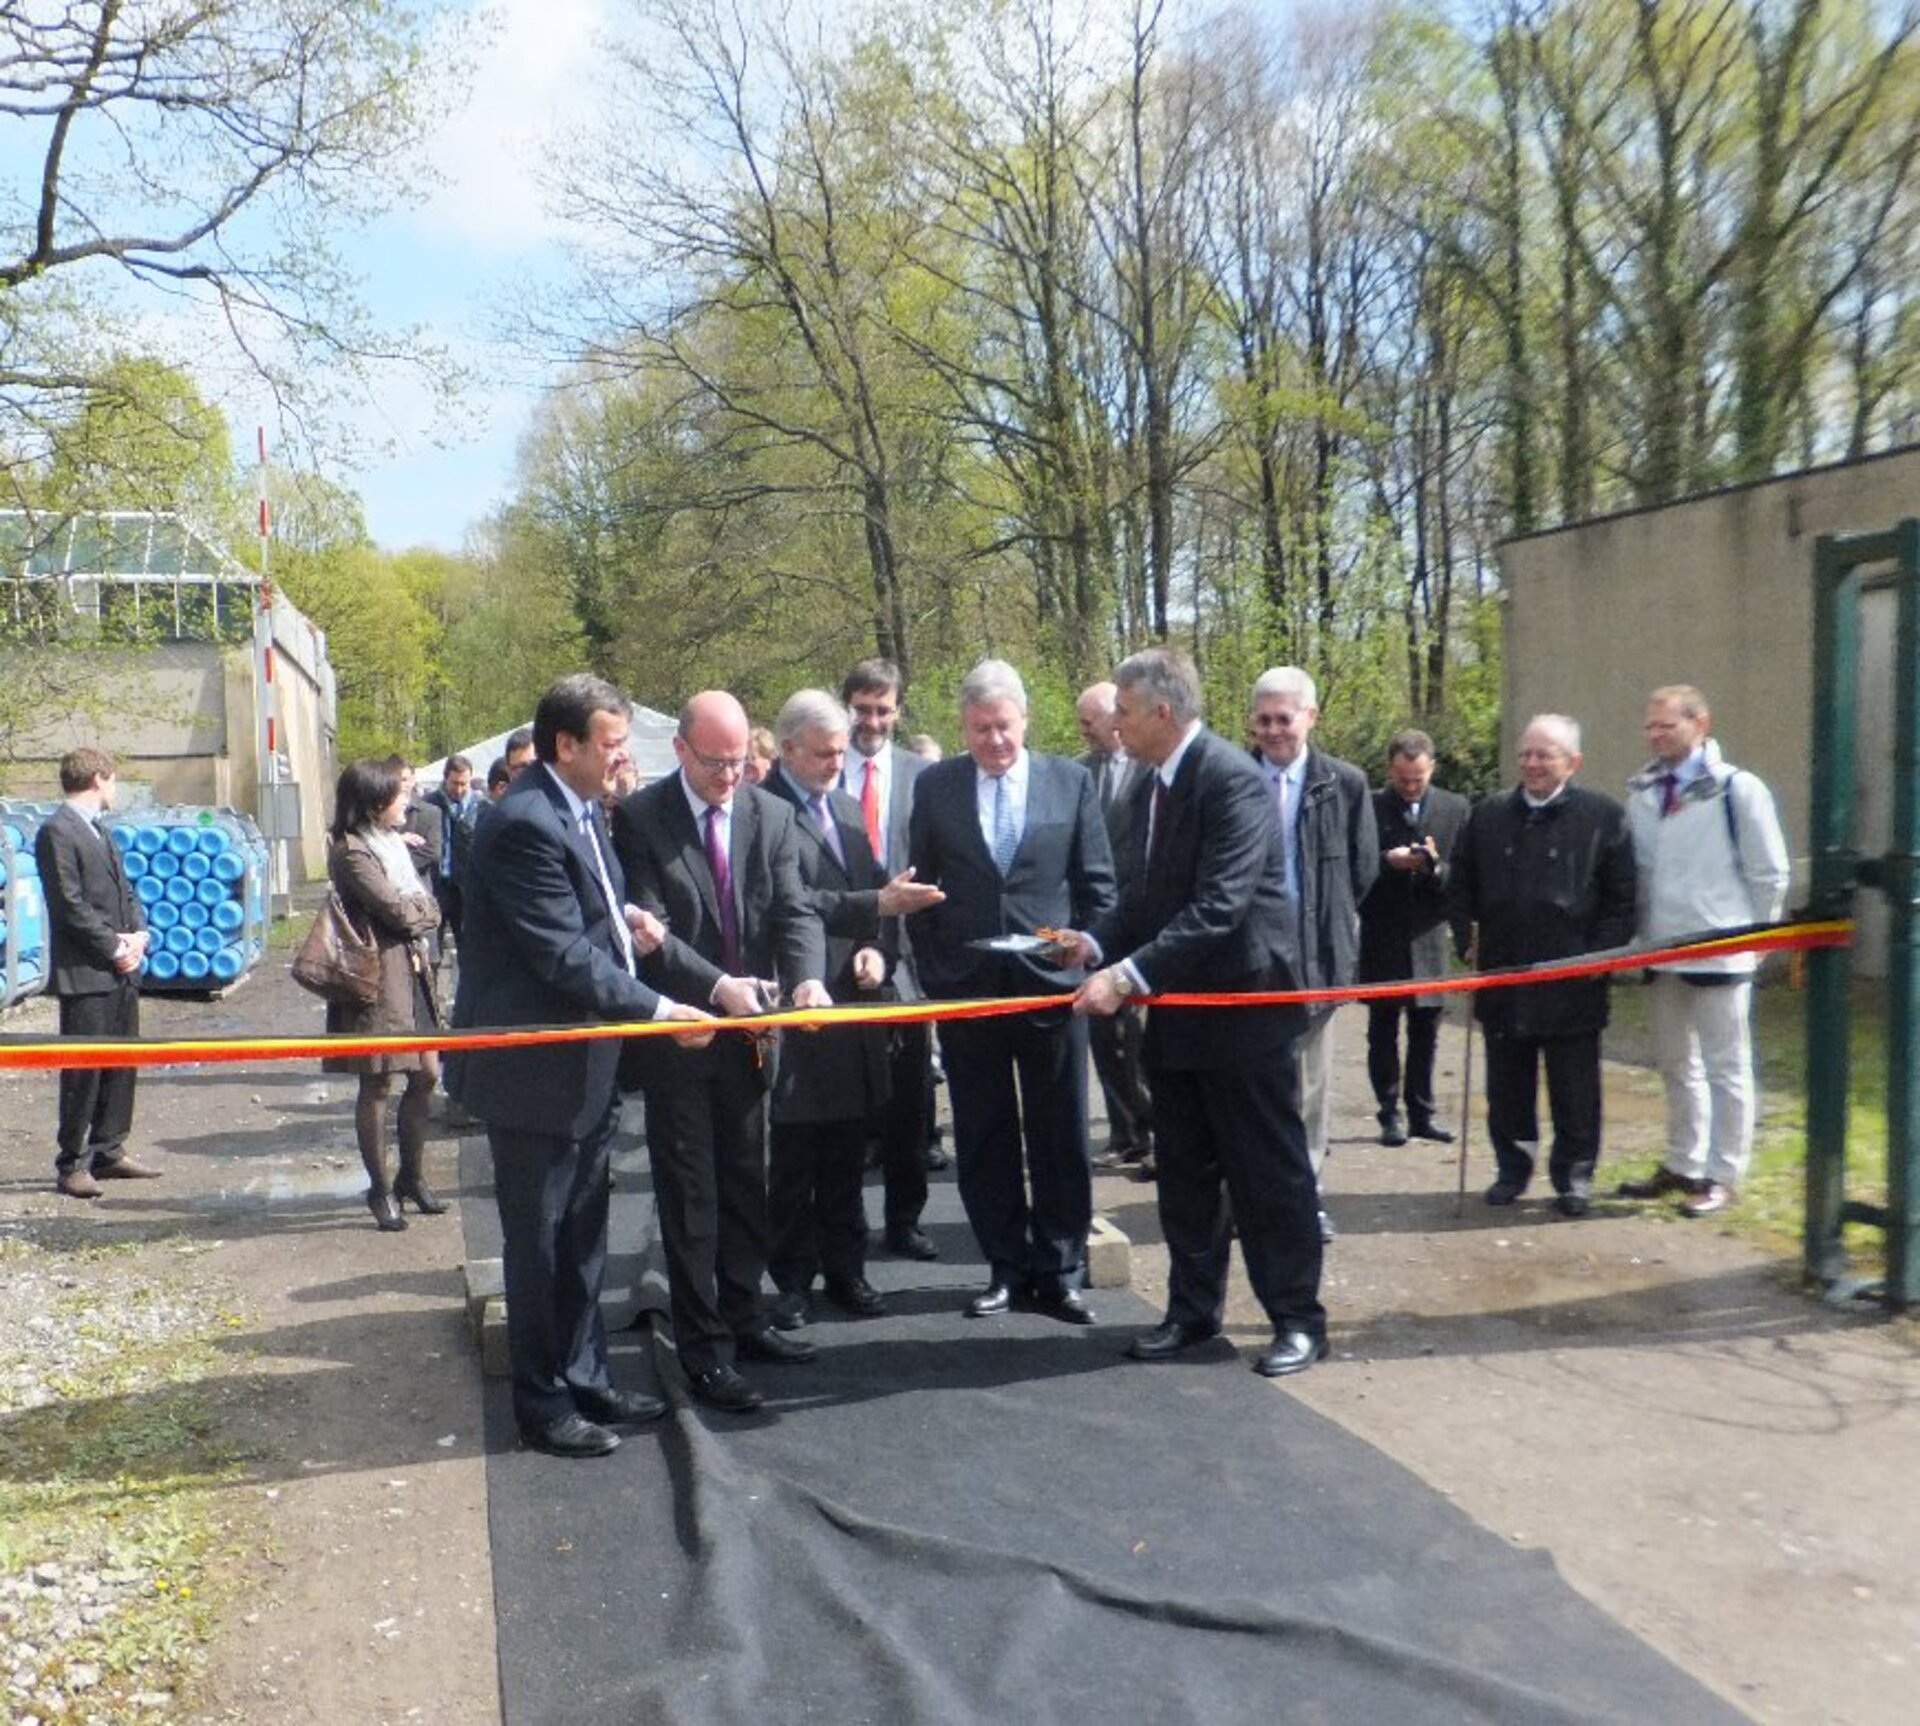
[[1156, 814], [1286, 833], [1670, 793], [621, 933], [1006, 837], [870, 812], [828, 831], [1103, 781], [723, 888]]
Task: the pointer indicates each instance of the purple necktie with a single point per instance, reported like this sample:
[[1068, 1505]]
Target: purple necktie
[[723, 887], [829, 831]]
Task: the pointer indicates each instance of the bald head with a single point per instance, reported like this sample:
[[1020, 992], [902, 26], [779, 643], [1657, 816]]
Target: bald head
[[712, 745], [1094, 710]]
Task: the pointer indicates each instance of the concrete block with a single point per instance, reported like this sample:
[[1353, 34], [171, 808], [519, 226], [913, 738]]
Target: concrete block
[[1109, 1256], [486, 1278], [495, 1361]]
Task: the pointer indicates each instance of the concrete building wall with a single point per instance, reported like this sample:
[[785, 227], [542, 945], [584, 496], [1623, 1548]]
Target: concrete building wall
[[182, 727], [1715, 591]]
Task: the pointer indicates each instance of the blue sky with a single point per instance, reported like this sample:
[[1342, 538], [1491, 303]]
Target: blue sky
[[450, 265]]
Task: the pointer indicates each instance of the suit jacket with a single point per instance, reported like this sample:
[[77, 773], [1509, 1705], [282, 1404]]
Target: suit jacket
[[1117, 810], [1403, 919], [836, 1074], [1207, 911], [90, 903], [456, 823], [1337, 858], [428, 820], [664, 854], [907, 768], [538, 947], [1548, 883], [1061, 878]]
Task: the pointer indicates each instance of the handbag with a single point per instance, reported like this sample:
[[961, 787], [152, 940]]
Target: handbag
[[338, 961]]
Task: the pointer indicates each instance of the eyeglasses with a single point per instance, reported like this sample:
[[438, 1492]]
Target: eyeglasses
[[720, 763]]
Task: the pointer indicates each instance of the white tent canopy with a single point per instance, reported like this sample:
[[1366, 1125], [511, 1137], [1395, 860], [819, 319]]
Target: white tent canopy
[[650, 743]]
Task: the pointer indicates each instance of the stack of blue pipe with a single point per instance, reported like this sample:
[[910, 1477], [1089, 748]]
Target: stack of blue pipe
[[201, 875], [23, 911]]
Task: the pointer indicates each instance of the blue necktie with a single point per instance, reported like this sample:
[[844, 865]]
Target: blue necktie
[[1006, 837]]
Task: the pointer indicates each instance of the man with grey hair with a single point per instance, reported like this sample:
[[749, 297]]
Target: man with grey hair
[[1116, 1040], [826, 1088], [1203, 906], [1325, 815], [1543, 872], [1016, 842]]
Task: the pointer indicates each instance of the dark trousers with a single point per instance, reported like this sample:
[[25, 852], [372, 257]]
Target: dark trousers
[[1232, 1153], [902, 1126], [96, 1103], [706, 1141], [447, 892], [552, 1194], [1116, 1041], [1573, 1097], [816, 1215], [1383, 1057], [1028, 1070]]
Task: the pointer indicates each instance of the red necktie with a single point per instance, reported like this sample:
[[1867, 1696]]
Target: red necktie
[[1670, 798], [870, 812]]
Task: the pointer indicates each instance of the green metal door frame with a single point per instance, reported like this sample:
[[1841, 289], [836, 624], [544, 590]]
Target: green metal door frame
[[1845, 569]]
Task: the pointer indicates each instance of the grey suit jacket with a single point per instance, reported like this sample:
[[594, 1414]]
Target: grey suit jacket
[[1062, 876]]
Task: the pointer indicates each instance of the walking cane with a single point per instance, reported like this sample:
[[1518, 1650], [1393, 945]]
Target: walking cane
[[1466, 1115], [1472, 958]]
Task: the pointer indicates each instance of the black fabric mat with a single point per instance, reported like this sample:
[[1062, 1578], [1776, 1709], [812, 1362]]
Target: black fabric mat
[[947, 1521]]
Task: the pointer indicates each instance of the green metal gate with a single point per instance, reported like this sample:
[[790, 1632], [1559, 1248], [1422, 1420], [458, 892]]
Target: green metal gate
[[1845, 569]]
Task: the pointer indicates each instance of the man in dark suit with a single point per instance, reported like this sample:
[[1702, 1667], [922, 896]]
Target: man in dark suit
[[457, 801], [717, 860], [1403, 933], [1545, 871], [828, 1087], [551, 940], [1016, 843], [879, 776], [1116, 1040], [98, 938], [1325, 815], [1204, 908]]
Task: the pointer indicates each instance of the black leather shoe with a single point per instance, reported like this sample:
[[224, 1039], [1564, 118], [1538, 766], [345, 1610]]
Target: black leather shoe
[[570, 1435], [619, 1407], [1392, 1132], [1293, 1351], [769, 1344], [990, 1302], [937, 1160], [1170, 1338], [1503, 1193], [1577, 1200], [386, 1212], [790, 1312], [1432, 1130], [722, 1387], [858, 1297], [1069, 1306], [1328, 1233], [1146, 1169], [911, 1243]]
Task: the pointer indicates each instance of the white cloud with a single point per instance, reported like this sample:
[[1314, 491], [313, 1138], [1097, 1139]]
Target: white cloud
[[535, 66]]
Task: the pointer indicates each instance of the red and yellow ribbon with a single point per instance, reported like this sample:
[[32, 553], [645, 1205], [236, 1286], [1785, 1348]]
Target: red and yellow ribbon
[[49, 1053]]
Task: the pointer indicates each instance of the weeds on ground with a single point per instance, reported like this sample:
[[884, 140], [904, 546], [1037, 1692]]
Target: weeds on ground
[[1772, 1208], [114, 1532]]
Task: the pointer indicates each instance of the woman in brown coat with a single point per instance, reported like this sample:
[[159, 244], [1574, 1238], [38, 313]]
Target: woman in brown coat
[[374, 875]]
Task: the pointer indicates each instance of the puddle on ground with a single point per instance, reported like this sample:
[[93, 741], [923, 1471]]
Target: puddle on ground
[[282, 1188]]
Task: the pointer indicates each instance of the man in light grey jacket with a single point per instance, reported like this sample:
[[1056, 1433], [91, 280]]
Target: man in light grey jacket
[[1710, 855]]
